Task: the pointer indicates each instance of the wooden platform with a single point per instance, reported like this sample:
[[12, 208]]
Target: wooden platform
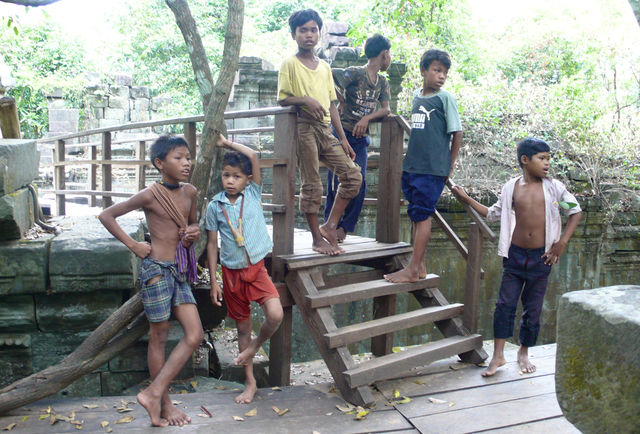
[[446, 397]]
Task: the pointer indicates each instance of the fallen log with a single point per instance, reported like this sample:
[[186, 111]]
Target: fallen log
[[100, 346]]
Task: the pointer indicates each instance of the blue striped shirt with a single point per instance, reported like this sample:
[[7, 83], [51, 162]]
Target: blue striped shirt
[[257, 242]]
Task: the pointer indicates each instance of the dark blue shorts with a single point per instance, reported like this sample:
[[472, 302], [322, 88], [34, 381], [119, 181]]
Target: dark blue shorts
[[422, 192]]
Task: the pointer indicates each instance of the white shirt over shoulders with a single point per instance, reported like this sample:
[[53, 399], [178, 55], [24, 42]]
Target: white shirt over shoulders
[[554, 193]]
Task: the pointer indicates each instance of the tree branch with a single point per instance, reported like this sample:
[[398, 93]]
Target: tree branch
[[34, 3]]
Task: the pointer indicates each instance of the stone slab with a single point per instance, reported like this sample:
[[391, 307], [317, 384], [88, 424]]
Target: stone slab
[[15, 363], [16, 214], [139, 92], [114, 383], [16, 314], [598, 358], [86, 257], [23, 265], [18, 164], [87, 385], [47, 349], [97, 101], [77, 311]]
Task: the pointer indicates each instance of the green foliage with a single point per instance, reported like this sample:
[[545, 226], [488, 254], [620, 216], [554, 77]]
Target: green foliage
[[274, 15]]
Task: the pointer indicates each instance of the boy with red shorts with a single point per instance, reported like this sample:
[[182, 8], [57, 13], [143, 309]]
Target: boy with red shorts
[[237, 214]]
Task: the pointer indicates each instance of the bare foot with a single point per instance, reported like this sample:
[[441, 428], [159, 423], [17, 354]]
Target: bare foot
[[423, 271], [526, 367], [331, 235], [341, 235], [246, 356], [322, 246], [173, 414], [404, 275], [247, 395], [494, 364], [152, 405]]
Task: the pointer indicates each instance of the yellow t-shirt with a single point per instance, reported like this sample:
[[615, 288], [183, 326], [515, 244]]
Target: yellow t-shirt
[[295, 79]]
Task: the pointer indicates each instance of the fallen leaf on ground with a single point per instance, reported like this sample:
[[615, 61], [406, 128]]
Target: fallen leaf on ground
[[203, 415], [361, 414], [396, 349], [9, 427], [24, 419], [109, 430], [90, 406], [332, 389], [48, 410], [315, 432], [183, 392], [194, 384], [276, 388], [78, 426], [127, 419], [280, 412], [345, 408], [207, 412], [328, 414], [174, 402], [396, 393], [451, 404], [124, 409], [221, 387], [454, 367], [420, 382], [238, 418], [104, 424], [437, 401], [252, 413], [43, 416], [52, 418]]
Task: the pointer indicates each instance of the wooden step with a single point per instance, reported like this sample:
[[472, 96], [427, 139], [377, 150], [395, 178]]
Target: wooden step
[[358, 332], [391, 365], [365, 290], [360, 252]]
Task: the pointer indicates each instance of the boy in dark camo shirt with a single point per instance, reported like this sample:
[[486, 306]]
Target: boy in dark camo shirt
[[360, 90]]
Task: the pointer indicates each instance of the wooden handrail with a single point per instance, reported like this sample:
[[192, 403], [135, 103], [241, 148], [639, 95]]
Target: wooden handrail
[[264, 162]]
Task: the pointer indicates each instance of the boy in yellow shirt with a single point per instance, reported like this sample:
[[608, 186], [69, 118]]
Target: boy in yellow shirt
[[305, 81]]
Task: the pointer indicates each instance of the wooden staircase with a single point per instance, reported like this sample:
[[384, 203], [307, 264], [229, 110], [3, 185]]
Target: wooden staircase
[[315, 294]]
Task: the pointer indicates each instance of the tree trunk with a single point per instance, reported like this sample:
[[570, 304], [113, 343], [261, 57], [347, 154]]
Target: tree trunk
[[101, 346]]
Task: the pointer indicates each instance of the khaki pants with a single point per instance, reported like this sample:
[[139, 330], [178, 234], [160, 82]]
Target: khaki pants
[[315, 144]]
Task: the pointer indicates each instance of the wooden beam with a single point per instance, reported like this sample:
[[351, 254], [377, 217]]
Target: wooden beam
[[58, 176], [472, 285], [482, 224], [141, 152], [9, 122], [383, 307], [106, 169], [191, 138], [93, 175], [389, 177]]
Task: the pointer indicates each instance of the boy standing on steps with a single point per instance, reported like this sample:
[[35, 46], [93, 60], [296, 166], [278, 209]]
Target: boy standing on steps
[[167, 267], [436, 136], [237, 214], [363, 89], [305, 81], [531, 241]]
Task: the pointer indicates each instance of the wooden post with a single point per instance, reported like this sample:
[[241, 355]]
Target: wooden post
[[191, 138], [107, 201], [58, 176], [388, 216], [141, 155], [9, 122], [389, 174], [93, 174], [472, 286], [284, 189]]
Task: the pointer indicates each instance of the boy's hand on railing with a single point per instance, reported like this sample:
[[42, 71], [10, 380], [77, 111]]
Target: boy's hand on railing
[[460, 193], [315, 108]]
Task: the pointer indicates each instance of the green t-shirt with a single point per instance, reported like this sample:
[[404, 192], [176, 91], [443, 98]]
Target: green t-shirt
[[433, 118], [360, 95]]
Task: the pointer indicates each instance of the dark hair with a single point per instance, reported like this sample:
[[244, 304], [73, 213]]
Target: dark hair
[[163, 144], [435, 54], [530, 147], [236, 159], [298, 18], [376, 45]]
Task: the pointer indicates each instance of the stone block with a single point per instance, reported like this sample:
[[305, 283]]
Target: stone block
[[16, 314], [56, 103], [58, 128], [335, 28], [97, 112], [343, 53], [119, 91], [47, 349], [140, 104], [598, 358], [18, 164], [23, 266], [158, 102], [122, 79], [116, 114], [75, 312], [16, 214], [251, 62], [139, 116], [86, 257], [139, 92], [106, 123], [336, 41], [87, 385], [114, 383], [56, 92], [64, 115], [116, 102], [15, 358], [101, 101]]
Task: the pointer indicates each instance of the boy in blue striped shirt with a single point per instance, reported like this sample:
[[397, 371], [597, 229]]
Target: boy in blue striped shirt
[[236, 212]]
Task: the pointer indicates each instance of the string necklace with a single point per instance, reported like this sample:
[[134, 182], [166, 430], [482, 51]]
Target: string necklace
[[169, 186], [237, 232]]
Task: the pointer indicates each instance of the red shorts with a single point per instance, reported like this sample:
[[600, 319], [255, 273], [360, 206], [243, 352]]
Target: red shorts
[[242, 286]]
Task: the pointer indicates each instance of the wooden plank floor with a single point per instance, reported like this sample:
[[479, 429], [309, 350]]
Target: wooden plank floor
[[446, 397]]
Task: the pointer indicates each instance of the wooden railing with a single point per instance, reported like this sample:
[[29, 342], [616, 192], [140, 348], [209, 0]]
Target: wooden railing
[[283, 198]]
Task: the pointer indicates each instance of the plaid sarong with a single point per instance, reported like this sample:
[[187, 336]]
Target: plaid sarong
[[171, 290]]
